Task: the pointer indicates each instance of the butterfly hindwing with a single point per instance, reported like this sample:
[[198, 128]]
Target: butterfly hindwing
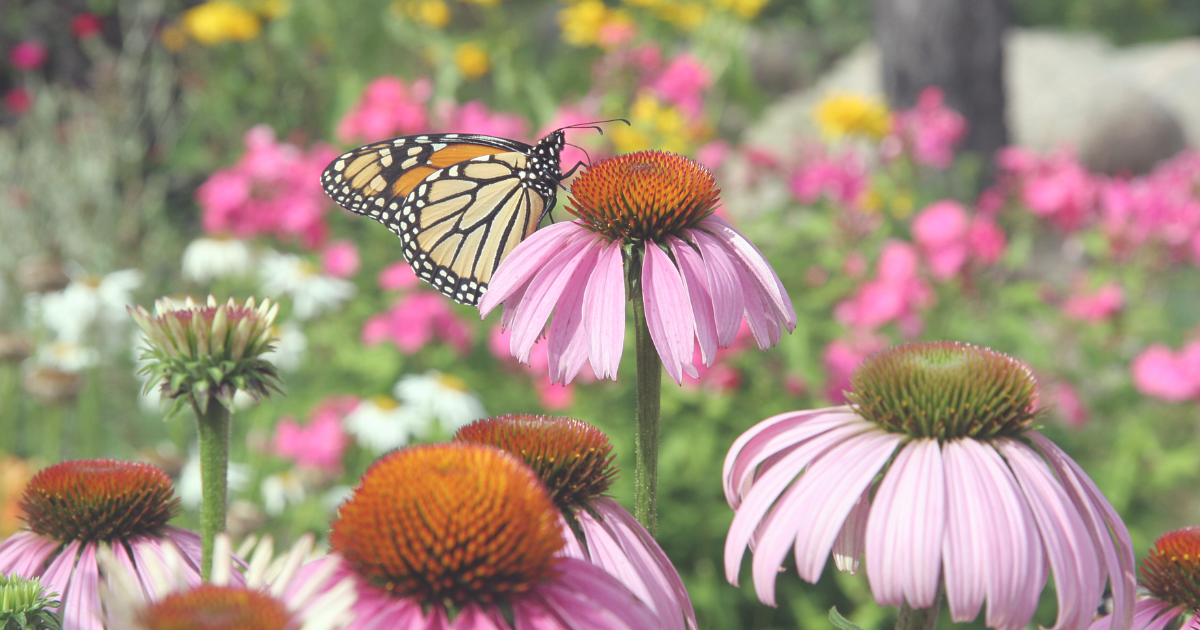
[[459, 202]]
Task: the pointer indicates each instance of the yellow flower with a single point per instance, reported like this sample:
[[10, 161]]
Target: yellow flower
[[220, 21], [272, 9], [853, 114], [472, 60], [432, 12], [173, 38], [484, 3], [684, 15], [745, 9], [581, 22], [655, 126]]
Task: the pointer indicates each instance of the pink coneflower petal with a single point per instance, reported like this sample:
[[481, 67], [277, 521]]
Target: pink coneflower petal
[[848, 547], [58, 575], [756, 264], [1065, 537], [724, 283], [567, 349], [668, 315], [542, 295], [525, 261], [1108, 531], [605, 299], [906, 526], [1148, 614], [695, 281], [25, 553], [583, 597], [81, 605], [987, 550]]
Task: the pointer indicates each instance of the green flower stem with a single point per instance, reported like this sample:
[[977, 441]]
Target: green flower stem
[[90, 441], [213, 427], [649, 394], [52, 428], [10, 409], [919, 618]]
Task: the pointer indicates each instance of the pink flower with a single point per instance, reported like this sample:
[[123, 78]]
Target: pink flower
[[86, 25], [27, 55], [273, 189], [713, 154], [897, 293], [985, 240], [576, 269], [340, 259], [388, 108], [931, 130], [682, 83], [1169, 576], [941, 232], [1068, 404], [1098, 305], [988, 517], [553, 396], [1056, 187], [71, 507], [842, 180], [319, 444], [720, 377], [1163, 374], [18, 100], [474, 117], [414, 321], [841, 358], [397, 276], [1162, 207]]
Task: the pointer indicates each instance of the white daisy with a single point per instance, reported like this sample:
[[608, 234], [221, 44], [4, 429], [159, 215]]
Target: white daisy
[[207, 259], [189, 487], [311, 291], [86, 302], [290, 347], [67, 356], [381, 424], [282, 489], [442, 397], [288, 592]]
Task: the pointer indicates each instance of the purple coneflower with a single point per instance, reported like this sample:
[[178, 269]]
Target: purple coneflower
[[934, 472], [465, 537], [1171, 577], [647, 218], [75, 508], [575, 462], [275, 595]]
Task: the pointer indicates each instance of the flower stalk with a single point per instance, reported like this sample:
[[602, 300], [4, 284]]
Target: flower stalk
[[213, 427], [920, 618], [645, 446]]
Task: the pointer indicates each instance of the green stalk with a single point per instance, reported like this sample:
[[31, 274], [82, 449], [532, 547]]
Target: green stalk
[[10, 410], [213, 428], [52, 429], [919, 618], [649, 394]]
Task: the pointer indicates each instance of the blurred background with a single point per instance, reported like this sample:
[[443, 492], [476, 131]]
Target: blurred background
[[1018, 174]]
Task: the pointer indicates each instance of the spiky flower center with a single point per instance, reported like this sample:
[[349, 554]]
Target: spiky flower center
[[573, 458], [98, 500], [450, 524], [945, 390], [211, 607], [643, 195], [1171, 572]]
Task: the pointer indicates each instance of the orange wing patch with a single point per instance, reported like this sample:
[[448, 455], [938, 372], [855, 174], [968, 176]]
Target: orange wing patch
[[409, 180], [456, 153]]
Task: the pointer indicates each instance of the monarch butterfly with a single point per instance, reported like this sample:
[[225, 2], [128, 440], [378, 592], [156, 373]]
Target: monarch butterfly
[[459, 202]]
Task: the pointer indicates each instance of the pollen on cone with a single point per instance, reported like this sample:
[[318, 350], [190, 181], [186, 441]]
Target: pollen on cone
[[1171, 571], [212, 607]]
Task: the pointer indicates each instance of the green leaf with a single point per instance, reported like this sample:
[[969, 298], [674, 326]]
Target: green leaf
[[841, 622]]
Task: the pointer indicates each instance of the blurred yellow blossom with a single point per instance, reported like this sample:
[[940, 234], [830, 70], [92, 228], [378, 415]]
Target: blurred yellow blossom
[[220, 21], [684, 15], [655, 125], [484, 3], [853, 114], [14, 474], [435, 13], [745, 9], [581, 22], [271, 9], [472, 60], [173, 38]]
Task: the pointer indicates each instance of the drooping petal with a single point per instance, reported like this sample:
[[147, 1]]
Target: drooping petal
[[724, 285], [57, 577], [567, 343], [756, 264], [906, 527], [81, 605], [525, 261], [763, 494], [1109, 534], [604, 303], [695, 281], [25, 553], [583, 597], [992, 547], [1078, 581], [848, 547], [668, 315], [542, 295]]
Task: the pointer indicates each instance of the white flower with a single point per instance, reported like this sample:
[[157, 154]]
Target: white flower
[[85, 302], [67, 356], [290, 346], [381, 424], [311, 291], [439, 396], [207, 259], [280, 490], [189, 488]]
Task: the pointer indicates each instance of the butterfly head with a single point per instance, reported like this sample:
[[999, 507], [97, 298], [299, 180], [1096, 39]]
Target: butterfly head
[[545, 154]]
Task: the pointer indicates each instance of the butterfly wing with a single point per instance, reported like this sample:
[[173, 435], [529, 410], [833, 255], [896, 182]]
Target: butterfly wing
[[459, 202]]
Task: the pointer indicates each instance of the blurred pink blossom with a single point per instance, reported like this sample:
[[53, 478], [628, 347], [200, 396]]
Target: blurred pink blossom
[[1168, 375], [1161, 207], [18, 100], [273, 189], [985, 240], [682, 83], [474, 117], [413, 323], [388, 108], [574, 115], [842, 357], [321, 442], [553, 396], [1065, 399], [713, 154], [27, 55], [720, 377], [398, 275], [1097, 305], [841, 179], [948, 239], [340, 259], [616, 33], [931, 130], [897, 294], [1055, 187], [85, 25]]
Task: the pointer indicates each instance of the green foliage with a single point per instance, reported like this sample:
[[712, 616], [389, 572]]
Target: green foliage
[[24, 605]]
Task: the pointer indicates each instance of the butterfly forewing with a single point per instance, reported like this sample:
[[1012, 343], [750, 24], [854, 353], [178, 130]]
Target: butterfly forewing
[[459, 202]]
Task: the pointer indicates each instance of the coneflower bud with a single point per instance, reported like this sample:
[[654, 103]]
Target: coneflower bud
[[24, 605]]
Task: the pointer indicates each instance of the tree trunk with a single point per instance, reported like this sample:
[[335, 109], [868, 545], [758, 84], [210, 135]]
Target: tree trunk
[[956, 45]]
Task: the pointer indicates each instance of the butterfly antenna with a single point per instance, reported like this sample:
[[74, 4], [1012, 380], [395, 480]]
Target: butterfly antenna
[[585, 153], [594, 125]]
